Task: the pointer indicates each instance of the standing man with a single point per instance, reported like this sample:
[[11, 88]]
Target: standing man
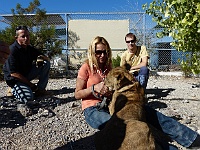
[[19, 69], [137, 58]]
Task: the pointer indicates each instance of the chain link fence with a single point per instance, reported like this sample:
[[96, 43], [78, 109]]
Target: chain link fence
[[76, 30]]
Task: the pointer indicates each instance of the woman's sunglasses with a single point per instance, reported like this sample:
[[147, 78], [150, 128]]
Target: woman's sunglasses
[[99, 52]]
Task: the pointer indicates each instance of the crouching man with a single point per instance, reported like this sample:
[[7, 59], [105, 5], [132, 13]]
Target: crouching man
[[19, 69]]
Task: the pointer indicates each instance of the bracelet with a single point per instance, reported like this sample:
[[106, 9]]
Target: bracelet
[[93, 92], [92, 88]]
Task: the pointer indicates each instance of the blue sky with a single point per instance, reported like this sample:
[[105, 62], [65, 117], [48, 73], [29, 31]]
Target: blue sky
[[63, 6]]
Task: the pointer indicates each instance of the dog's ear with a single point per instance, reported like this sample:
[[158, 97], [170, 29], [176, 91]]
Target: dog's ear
[[129, 76], [127, 66], [120, 77], [118, 81]]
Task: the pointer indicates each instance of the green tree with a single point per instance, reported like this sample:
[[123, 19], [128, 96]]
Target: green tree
[[43, 36], [180, 20]]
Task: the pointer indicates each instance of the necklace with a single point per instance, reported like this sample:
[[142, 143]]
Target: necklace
[[102, 74]]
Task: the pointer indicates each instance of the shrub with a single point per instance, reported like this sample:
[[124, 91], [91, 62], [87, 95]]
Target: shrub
[[116, 61]]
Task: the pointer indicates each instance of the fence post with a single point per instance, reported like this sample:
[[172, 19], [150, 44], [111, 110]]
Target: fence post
[[67, 46]]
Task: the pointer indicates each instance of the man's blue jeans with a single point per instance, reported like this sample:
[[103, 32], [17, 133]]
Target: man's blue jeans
[[23, 92], [142, 76], [176, 131]]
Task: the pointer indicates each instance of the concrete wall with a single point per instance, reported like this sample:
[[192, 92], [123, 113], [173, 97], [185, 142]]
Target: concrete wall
[[113, 30]]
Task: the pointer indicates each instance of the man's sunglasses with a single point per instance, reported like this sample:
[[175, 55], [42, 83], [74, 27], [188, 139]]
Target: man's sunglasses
[[131, 41], [99, 52], [21, 28]]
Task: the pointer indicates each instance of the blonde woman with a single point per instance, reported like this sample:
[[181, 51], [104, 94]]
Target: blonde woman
[[91, 75]]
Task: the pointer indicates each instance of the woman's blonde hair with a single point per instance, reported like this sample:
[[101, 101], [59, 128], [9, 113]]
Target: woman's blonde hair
[[92, 61]]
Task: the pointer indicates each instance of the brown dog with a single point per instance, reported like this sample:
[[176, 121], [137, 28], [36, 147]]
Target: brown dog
[[127, 129]]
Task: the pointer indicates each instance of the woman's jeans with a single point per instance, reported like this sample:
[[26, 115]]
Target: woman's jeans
[[95, 117], [176, 131], [142, 76], [23, 92]]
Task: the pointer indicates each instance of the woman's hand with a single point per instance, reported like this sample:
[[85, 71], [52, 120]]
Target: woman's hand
[[98, 87], [102, 89]]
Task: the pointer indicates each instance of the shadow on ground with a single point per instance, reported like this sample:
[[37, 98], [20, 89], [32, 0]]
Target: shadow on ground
[[11, 118], [86, 143], [158, 93]]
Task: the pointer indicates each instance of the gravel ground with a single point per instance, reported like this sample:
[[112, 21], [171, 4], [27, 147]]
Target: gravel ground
[[57, 122]]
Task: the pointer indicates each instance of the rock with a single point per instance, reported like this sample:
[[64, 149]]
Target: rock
[[24, 110]]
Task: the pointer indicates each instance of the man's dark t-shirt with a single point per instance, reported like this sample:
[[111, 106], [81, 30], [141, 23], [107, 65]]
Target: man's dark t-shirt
[[20, 61]]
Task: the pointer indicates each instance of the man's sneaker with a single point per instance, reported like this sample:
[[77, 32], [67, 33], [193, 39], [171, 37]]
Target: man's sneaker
[[41, 93], [9, 93], [196, 144], [24, 110]]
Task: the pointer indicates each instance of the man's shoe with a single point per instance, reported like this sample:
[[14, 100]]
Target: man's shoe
[[41, 93], [24, 110], [196, 144], [9, 93]]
